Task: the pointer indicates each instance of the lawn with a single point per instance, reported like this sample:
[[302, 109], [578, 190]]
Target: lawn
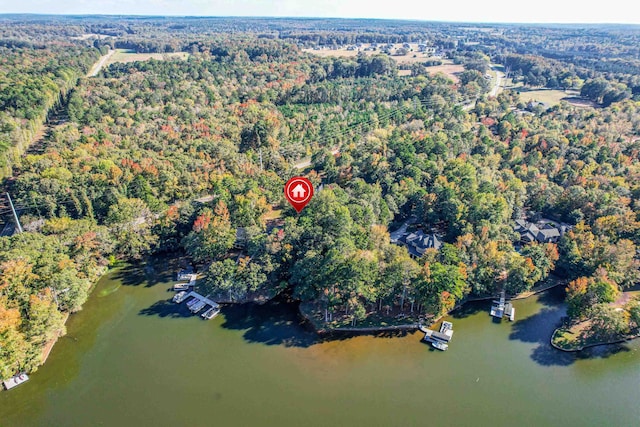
[[125, 55]]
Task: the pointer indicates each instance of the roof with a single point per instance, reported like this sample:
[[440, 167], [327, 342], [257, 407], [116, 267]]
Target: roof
[[440, 336], [419, 242], [544, 232]]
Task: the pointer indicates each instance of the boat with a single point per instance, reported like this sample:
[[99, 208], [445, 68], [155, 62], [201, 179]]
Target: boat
[[15, 381], [182, 286], [197, 306], [211, 313], [439, 339], [179, 297], [439, 345], [192, 301]]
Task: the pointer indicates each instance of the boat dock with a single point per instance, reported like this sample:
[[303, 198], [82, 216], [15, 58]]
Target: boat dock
[[197, 302], [440, 339], [211, 313], [501, 308], [186, 286], [15, 381]]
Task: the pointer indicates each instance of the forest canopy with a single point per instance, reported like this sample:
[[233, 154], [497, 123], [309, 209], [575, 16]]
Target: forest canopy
[[192, 154]]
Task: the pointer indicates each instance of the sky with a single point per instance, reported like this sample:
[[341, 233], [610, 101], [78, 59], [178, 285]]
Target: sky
[[538, 11]]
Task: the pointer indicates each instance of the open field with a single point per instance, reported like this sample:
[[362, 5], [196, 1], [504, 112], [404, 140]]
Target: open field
[[90, 35], [124, 56], [413, 55], [551, 96], [448, 68]]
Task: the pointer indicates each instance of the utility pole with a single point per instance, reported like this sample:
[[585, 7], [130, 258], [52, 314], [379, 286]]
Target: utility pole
[[15, 215]]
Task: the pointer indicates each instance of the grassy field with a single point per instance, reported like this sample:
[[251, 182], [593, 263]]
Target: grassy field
[[549, 96], [546, 96], [124, 56], [448, 68], [412, 57]]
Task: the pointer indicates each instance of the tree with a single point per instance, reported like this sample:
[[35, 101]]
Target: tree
[[633, 308], [220, 278], [607, 322], [131, 221], [595, 89], [212, 235]]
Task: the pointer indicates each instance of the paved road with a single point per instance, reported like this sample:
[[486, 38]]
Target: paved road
[[98, 65], [496, 87]]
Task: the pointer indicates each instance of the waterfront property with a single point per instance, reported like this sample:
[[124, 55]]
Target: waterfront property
[[262, 355]]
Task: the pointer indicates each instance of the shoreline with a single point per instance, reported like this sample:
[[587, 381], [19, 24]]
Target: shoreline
[[415, 326], [596, 344]]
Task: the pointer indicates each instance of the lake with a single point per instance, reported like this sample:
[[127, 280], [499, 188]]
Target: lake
[[133, 358]]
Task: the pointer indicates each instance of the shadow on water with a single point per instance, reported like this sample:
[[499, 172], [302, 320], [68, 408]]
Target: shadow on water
[[149, 273], [538, 329], [470, 308], [276, 322], [166, 308]]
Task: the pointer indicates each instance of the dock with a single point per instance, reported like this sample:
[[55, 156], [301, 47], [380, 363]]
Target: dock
[[197, 302], [439, 339], [185, 274], [186, 286], [501, 308], [15, 381], [211, 313]]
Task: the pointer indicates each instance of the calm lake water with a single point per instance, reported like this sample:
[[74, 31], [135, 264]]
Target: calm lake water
[[132, 358]]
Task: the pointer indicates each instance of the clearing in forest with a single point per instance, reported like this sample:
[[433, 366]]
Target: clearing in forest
[[126, 55]]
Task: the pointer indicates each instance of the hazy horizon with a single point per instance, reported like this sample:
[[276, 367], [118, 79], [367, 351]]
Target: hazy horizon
[[465, 11]]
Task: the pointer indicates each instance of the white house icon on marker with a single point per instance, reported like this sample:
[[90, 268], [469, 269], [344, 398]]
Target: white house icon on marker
[[299, 191]]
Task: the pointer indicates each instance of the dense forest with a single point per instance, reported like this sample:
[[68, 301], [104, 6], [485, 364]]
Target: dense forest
[[179, 154]]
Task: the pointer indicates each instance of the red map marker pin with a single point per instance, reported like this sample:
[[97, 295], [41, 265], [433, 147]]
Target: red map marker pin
[[298, 191]]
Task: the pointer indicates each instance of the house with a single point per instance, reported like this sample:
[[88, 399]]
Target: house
[[418, 242], [544, 231]]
